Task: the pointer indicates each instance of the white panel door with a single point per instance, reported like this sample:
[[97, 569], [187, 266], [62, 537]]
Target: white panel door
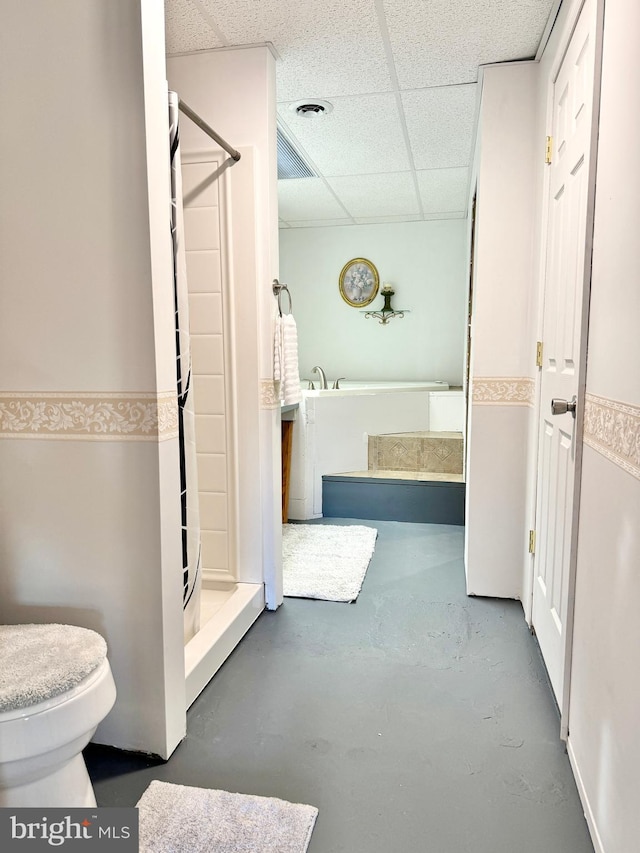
[[562, 326]]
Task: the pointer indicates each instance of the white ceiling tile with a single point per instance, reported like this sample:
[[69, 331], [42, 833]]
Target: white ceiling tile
[[361, 135], [443, 190], [438, 43], [377, 195], [327, 47], [186, 29], [440, 124], [307, 198]]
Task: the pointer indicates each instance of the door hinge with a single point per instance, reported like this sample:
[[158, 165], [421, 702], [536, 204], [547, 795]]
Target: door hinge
[[539, 350], [548, 150], [532, 542]]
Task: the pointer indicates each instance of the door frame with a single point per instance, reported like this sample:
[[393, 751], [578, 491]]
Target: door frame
[[569, 28]]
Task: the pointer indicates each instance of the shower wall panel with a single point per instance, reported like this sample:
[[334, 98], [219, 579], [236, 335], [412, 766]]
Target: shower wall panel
[[234, 91], [203, 241]]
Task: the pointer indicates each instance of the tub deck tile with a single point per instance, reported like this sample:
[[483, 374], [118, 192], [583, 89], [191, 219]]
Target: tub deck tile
[[422, 451]]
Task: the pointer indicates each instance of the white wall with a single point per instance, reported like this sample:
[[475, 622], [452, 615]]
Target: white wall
[[502, 358], [605, 681], [425, 261], [234, 91], [90, 495]]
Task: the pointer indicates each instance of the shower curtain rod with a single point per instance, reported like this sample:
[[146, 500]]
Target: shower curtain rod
[[195, 118]]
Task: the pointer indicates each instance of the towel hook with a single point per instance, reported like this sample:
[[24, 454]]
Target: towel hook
[[277, 292]]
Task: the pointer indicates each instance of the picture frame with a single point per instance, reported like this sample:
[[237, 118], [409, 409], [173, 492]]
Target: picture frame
[[359, 282]]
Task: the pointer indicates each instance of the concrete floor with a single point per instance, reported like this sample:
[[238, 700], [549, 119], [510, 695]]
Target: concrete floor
[[417, 720]]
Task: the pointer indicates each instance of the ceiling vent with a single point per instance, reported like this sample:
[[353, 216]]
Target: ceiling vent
[[311, 109], [290, 163]]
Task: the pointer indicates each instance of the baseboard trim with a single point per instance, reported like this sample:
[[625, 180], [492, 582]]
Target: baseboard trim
[[598, 846]]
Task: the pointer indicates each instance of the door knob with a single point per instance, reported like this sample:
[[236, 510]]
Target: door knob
[[561, 407]]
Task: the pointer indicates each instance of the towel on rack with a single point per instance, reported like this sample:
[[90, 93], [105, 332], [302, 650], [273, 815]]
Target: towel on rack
[[285, 360]]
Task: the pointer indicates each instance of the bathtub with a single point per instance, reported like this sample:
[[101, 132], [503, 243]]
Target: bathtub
[[332, 429], [354, 387]]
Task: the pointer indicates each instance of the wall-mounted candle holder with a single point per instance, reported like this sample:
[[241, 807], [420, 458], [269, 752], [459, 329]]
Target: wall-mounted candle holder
[[387, 312]]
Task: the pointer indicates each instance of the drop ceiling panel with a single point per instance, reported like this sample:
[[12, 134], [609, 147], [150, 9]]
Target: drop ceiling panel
[[185, 28], [327, 47], [440, 123], [362, 135], [438, 43], [335, 50], [377, 195], [307, 198], [443, 190]]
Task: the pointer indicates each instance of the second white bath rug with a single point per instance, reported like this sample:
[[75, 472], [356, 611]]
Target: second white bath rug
[[326, 561], [181, 819]]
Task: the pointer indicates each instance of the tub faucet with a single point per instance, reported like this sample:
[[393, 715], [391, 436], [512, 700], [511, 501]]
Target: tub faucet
[[322, 375], [336, 384]]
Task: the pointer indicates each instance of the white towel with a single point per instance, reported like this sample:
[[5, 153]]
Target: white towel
[[285, 359], [278, 344]]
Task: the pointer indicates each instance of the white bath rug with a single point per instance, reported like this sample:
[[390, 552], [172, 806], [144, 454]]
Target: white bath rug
[[181, 819], [326, 561]]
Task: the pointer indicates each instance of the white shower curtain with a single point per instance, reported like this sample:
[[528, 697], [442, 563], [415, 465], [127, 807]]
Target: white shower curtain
[[191, 549]]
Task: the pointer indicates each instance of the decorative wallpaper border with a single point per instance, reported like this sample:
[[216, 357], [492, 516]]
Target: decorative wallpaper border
[[100, 416], [503, 391], [268, 397], [613, 429]]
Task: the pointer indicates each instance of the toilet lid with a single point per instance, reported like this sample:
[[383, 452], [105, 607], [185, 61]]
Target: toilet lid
[[38, 662]]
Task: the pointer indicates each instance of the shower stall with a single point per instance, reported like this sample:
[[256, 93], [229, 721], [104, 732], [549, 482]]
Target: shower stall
[[218, 187]]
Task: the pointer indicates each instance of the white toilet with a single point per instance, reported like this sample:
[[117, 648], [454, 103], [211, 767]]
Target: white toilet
[[55, 687]]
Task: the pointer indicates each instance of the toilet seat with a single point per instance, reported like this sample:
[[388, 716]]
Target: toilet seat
[[30, 711], [41, 662]]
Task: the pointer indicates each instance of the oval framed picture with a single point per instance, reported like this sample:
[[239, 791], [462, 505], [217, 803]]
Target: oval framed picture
[[359, 282]]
